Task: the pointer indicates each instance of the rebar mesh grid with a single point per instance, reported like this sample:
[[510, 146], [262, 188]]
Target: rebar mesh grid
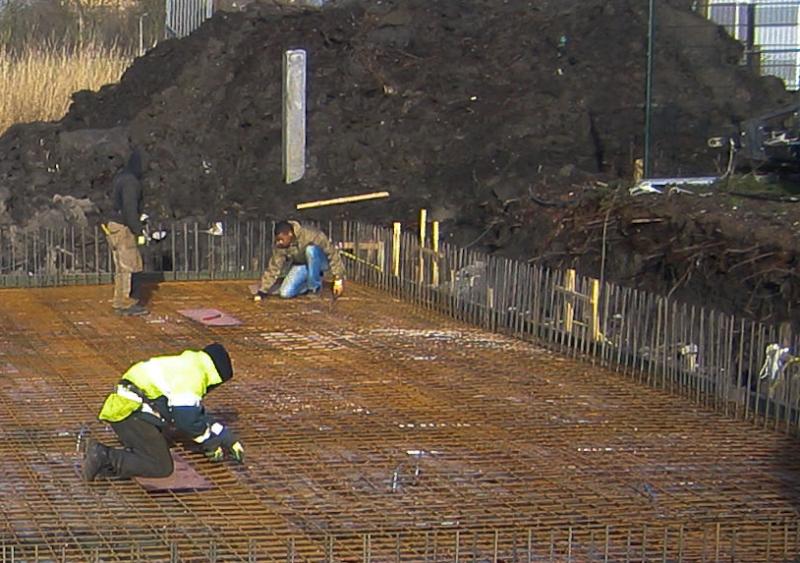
[[708, 357], [375, 431]]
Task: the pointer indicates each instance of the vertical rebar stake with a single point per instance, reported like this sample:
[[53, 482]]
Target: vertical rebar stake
[[290, 551]]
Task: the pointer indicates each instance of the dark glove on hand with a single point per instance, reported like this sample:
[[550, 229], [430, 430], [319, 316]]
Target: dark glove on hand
[[227, 438], [231, 444], [237, 452], [225, 441], [216, 454]]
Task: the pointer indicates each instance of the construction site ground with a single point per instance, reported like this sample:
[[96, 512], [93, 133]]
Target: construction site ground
[[370, 416], [515, 123]]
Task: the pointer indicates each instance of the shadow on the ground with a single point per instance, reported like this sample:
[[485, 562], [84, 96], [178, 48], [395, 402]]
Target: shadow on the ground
[[145, 285]]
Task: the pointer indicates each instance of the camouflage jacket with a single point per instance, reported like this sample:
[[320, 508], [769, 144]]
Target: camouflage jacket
[[284, 258]]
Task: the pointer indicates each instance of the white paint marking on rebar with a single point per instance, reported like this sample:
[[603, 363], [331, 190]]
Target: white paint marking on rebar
[[294, 115], [465, 339], [290, 340]]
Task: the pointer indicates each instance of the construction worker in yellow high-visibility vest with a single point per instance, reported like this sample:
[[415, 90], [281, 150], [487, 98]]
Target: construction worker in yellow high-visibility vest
[[165, 391]]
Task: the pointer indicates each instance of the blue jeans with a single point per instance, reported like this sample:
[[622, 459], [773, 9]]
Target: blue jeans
[[305, 277]]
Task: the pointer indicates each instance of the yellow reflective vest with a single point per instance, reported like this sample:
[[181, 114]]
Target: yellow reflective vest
[[182, 380]]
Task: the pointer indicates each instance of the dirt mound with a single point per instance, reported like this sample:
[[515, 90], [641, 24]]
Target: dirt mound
[[466, 108]]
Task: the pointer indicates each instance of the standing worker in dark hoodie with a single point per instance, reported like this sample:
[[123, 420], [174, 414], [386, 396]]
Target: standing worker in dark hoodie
[[125, 232], [165, 391]]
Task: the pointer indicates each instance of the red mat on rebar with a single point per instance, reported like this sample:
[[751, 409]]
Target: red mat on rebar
[[183, 478], [210, 317]]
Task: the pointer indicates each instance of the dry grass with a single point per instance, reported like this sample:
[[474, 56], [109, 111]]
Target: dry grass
[[37, 85]]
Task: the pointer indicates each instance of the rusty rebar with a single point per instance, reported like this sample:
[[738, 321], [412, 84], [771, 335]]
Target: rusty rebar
[[495, 442]]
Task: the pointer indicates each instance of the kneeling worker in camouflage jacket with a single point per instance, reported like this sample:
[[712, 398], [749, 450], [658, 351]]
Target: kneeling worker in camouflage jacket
[[300, 258]]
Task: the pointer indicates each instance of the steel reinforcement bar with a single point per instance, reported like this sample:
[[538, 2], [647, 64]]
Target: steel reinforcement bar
[[727, 363], [765, 541], [375, 430]]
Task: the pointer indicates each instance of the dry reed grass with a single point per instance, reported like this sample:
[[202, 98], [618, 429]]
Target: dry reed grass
[[37, 84]]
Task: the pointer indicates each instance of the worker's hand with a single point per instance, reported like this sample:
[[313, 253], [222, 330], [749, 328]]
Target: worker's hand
[[338, 287], [259, 296], [228, 442], [237, 452], [228, 439], [216, 454]]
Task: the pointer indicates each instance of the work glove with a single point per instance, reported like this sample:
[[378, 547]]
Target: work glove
[[237, 452], [217, 454], [259, 296], [147, 237], [143, 238], [232, 445], [221, 441], [338, 287]]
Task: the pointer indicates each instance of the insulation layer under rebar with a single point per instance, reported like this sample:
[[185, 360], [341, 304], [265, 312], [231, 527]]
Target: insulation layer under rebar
[[370, 417]]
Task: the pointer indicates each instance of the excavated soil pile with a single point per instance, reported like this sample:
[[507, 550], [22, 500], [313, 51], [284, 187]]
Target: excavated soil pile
[[500, 117]]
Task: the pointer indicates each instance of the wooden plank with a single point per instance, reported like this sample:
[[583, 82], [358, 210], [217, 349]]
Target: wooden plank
[[210, 317], [183, 478]]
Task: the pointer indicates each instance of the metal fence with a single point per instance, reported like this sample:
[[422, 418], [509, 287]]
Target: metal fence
[[769, 31], [734, 365], [712, 542], [184, 16]]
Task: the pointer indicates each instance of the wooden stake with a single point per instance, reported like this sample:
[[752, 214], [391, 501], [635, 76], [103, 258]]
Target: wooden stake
[[423, 224], [340, 200], [569, 308], [435, 246], [396, 249], [595, 302]]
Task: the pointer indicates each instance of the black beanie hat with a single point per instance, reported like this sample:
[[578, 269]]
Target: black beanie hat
[[222, 360]]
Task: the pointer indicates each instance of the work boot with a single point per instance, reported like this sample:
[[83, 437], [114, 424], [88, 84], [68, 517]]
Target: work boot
[[135, 310], [95, 461]]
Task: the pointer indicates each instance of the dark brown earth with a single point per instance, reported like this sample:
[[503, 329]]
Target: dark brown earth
[[516, 123]]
